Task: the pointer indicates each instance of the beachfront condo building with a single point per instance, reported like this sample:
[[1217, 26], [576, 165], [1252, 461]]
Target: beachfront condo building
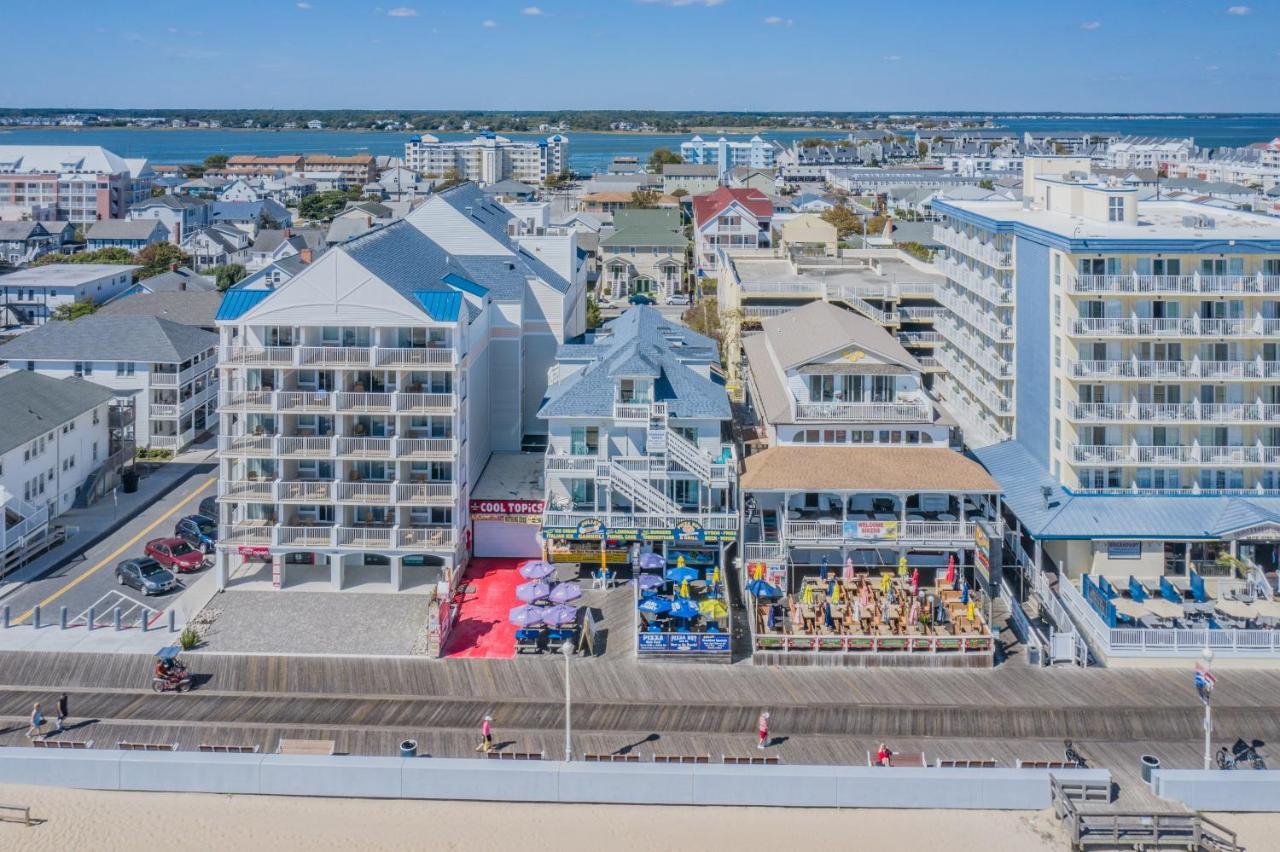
[[488, 158], [76, 183], [728, 155], [363, 396]]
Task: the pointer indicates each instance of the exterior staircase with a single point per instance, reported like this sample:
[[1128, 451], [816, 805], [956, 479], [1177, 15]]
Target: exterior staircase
[[643, 496], [664, 443]]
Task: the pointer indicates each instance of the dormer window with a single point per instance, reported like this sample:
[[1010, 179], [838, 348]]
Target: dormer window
[[1115, 209], [633, 390]]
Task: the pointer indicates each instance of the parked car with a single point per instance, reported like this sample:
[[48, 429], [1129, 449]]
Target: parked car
[[146, 575], [678, 299], [209, 507], [640, 299], [198, 531], [175, 554]]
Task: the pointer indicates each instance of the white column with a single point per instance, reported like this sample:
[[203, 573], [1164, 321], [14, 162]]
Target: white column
[[336, 570], [397, 573], [220, 560]]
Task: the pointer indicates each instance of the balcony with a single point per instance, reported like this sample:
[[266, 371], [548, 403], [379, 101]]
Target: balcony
[[366, 448], [979, 387], [866, 412], [1174, 327], [1176, 456], [415, 357], [560, 463], [304, 401], [256, 356], [1190, 285], [256, 400], [631, 411], [920, 338], [425, 538], [949, 534], [365, 402], [334, 356], [426, 403], [980, 352], [643, 520], [984, 321], [304, 447], [1182, 412], [304, 491], [253, 446], [176, 379], [984, 286], [1169, 370], [427, 493], [251, 490], [372, 493], [426, 448], [985, 252]]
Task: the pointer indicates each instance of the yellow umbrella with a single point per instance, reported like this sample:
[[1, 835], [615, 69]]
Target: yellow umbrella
[[885, 579], [969, 612], [835, 594], [715, 576], [684, 588], [713, 608], [902, 566], [807, 598], [679, 561]]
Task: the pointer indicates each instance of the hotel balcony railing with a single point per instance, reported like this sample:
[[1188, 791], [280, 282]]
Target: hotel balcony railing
[[337, 356], [979, 387], [1175, 327], [981, 353], [267, 446], [985, 252], [1196, 454], [921, 338], [1180, 412], [914, 411], [178, 379], [983, 286], [629, 520], [304, 491], [946, 533], [1194, 284], [982, 320], [1193, 369], [341, 537], [631, 411]]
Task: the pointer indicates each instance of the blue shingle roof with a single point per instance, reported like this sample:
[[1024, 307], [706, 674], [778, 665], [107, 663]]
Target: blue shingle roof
[[1063, 515], [237, 301]]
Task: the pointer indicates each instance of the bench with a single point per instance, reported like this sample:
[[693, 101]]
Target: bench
[[323, 747], [965, 764], [515, 755], [62, 743], [1084, 791], [682, 758], [729, 760], [611, 758], [21, 813], [902, 758], [125, 745], [1044, 764], [227, 749]]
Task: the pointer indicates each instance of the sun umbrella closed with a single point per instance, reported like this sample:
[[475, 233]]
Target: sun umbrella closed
[[684, 588], [807, 597]]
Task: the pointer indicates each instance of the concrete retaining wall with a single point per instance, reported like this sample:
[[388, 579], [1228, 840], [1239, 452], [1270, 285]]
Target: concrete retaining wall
[[541, 781], [1241, 790]]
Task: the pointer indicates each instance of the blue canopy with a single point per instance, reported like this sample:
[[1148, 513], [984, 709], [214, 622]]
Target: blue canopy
[[650, 581], [679, 575], [761, 589], [655, 606], [684, 608], [168, 652]]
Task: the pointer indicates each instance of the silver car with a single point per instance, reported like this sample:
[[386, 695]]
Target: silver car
[[146, 575]]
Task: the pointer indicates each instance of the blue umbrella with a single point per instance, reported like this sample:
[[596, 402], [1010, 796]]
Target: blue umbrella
[[650, 581], [761, 589], [964, 594], [679, 575], [536, 570], [651, 562], [825, 568], [656, 606], [684, 608]]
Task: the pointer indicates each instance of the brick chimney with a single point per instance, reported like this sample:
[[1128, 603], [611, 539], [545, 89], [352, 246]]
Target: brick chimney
[[173, 267], [305, 254], [288, 232]]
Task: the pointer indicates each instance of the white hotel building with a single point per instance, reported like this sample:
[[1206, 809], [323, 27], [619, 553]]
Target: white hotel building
[[363, 397], [488, 158], [728, 155]]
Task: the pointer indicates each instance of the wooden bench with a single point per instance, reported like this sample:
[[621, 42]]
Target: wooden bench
[[515, 755], [682, 758], [287, 746], [965, 764], [62, 743], [20, 813], [611, 758], [729, 760], [227, 749], [125, 745], [1044, 764], [901, 759]]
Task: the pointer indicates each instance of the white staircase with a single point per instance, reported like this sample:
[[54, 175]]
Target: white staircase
[[643, 496], [663, 443], [837, 293]]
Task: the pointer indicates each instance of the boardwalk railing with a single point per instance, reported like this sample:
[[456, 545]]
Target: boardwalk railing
[[803, 643]]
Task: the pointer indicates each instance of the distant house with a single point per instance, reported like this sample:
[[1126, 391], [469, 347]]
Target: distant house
[[808, 202], [203, 187], [613, 201], [809, 235], [180, 214], [249, 216], [761, 180], [180, 279], [644, 254], [185, 307], [23, 242], [33, 294], [217, 245], [693, 178], [271, 245], [289, 189], [730, 219], [61, 232], [131, 234], [240, 190], [276, 273], [510, 190]]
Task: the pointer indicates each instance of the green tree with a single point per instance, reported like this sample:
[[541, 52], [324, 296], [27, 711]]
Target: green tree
[[845, 220], [72, 311], [679, 193], [451, 179], [814, 142], [922, 149], [228, 275], [644, 199], [106, 255], [593, 313], [215, 161], [558, 180], [323, 206], [916, 250], [661, 157], [987, 183], [159, 257]]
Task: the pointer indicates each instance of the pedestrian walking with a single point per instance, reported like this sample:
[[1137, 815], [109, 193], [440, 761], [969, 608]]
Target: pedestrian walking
[[37, 723], [762, 726], [60, 715], [486, 735]]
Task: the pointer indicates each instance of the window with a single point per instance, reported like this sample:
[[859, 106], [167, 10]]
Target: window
[[1115, 209], [31, 365], [584, 441], [124, 368]]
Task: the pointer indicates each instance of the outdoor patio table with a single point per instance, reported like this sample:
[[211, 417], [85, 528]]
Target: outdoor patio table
[[1266, 609], [946, 517], [1235, 609], [1161, 608], [1129, 607]]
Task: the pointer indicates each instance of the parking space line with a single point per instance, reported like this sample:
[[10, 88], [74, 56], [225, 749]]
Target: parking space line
[[106, 560]]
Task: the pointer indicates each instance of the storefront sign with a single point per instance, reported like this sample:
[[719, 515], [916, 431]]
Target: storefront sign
[[982, 551], [1124, 550], [651, 642], [684, 643], [871, 529], [509, 519], [506, 507], [250, 551], [593, 529]]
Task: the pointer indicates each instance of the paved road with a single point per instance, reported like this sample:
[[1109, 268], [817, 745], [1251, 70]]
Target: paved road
[[89, 579]]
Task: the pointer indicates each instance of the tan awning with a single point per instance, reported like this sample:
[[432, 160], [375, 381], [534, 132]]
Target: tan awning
[[840, 468]]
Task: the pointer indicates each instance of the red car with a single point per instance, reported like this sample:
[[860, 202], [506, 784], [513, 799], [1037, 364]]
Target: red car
[[176, 555]]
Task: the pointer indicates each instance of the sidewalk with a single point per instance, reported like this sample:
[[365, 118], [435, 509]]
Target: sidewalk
[[87, 527]]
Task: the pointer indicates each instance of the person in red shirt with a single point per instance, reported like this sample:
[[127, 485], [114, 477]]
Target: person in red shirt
[[762, 726], [883, 756]]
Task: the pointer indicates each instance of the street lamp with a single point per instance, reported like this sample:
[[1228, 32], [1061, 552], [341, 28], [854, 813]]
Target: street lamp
[[567, 650], [1205, 682]]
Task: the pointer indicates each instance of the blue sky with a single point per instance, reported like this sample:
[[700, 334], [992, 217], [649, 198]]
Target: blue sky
[[1134, 55]]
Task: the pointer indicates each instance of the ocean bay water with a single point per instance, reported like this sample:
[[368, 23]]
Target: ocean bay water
[[588, 152]]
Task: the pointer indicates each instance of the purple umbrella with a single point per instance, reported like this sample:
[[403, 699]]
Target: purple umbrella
[[527, 616], [651, 562], [565, 592], [650, 581], [558, 615], [536, 570], [534, 591]]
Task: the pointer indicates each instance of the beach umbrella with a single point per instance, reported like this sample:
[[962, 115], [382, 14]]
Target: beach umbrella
[[684, 588], [715, 576], [835, 593], [527, 616], [654, 606], [826, 569], [951, 569], [848, 568], [684, 608], [964, 593], [650, 581], [652, 562], [713, 608], [536, 570], [807, 597], [565, 592], [915, 580], [680, 573], [902, 566], [560, 615], [761, 589], [533, 591]]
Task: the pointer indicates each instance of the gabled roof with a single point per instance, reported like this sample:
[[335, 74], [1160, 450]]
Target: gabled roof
[[103, 337], [640, 343], [659, 228], [13, 231], [236, 301], [176, 280], [36, 404], [188, 307], [707, 207], [820, 328], [125, 229]]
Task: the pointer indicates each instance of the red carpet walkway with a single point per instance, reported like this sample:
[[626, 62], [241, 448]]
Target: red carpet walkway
[[482, 628]]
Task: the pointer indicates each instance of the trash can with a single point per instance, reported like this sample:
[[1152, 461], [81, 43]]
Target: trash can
[[129, 480], [1149, 763], [409, 748]]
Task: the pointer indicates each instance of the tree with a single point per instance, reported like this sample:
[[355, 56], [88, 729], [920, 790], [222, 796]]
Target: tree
[[558, 180], [644, 199], [228, 276], [679, 193], [159, 257], [106, 255], [451, 179], [72, 311], [845, 220], [986, 183], [814, 142], [323, 206], [593, 313], [922, 149], [215, 161], [916, 250], [661, 157]]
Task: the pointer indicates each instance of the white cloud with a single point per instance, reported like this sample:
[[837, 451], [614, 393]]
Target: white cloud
[[403, 12], [892, 57], [1091, 25], [488, 23], [532, 11], [775, 21], [303, 6], [1239, 10], [684, 2], [1211, 68]]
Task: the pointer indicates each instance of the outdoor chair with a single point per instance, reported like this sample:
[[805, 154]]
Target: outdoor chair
[[527, 640]]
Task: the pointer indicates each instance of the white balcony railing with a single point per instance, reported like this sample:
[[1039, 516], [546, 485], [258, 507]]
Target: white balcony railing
[[631, 411], [1187, 412], [870, 412], [304, 491], [1194, 454], [427, 493], [910, 531], [365, 492], [334, 356], [1194, 284]]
